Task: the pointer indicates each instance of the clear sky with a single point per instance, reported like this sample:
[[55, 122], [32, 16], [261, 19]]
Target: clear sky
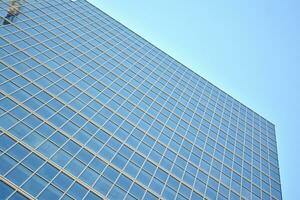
[[248, 48]]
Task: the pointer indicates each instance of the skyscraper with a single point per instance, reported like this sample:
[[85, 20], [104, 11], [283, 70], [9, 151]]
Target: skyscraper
[[90, 110]]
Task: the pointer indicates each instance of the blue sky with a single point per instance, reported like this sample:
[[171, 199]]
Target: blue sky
[[248, 48]]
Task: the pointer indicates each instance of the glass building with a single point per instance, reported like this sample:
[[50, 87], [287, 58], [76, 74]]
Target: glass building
[[91, 110]]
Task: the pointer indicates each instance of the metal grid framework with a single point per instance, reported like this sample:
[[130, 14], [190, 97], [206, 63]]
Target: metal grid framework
[[90, 110]]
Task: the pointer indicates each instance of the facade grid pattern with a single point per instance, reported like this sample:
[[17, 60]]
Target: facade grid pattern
[[90, 110]]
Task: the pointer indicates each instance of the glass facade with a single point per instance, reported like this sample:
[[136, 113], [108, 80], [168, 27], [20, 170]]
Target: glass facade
[[90, 110]]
